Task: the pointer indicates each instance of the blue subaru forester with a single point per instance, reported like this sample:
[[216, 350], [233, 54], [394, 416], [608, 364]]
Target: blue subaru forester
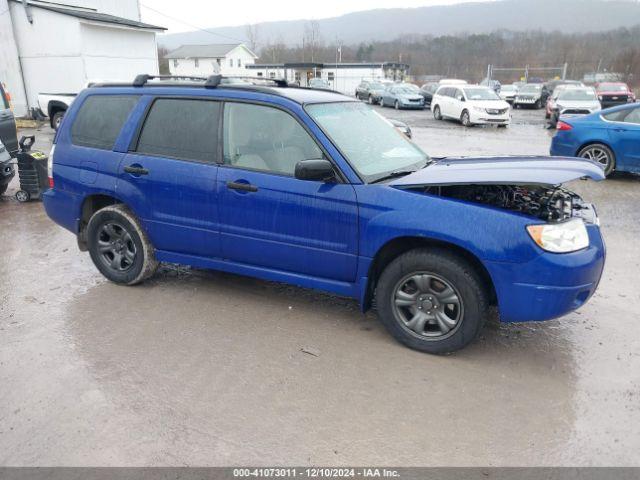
[[316, 189]]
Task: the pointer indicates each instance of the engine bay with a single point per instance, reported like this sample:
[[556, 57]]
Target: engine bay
[[548, 203]]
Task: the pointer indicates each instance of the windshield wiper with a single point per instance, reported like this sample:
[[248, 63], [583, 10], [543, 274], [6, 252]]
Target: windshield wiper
[[397, 173]]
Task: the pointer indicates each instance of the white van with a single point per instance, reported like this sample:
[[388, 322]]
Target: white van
[[471, 105]]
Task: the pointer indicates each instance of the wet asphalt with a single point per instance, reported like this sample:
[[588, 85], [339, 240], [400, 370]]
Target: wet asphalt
[[203, 368]]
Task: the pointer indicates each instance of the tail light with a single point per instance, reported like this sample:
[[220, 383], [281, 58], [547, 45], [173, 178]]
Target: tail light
[[50, 165], [563, 126]]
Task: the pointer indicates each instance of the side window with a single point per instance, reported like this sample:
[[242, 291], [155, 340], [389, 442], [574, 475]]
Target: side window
[[265, 138], [633, 116], [618, 116], [181, 128], [100, 119]]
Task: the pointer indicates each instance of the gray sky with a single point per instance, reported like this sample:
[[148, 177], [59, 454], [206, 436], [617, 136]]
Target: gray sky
[[178, 16]]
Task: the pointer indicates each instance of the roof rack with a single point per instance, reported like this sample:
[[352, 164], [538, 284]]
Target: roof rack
[[212, 81]]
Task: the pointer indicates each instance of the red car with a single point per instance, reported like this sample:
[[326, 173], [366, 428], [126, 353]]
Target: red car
[[614, 93]]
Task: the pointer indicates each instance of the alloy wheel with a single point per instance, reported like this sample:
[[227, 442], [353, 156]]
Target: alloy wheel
[[427, 305], [598, 154], [116, 247]]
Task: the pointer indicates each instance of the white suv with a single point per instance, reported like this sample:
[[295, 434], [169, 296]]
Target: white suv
[[471, 105]]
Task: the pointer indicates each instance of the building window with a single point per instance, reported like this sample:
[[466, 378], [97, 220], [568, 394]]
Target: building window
[[175, 62], [330, 76], [231, 62], [239, 63], [259, 74], [196, 63], [272, 74], [297, 76]]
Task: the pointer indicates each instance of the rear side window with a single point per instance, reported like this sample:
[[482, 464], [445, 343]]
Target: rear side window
[[616, 116], [181, 128], [100, 120]]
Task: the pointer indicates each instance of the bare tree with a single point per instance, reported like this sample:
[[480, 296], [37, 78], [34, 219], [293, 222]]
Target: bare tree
[[311, 39], [163, 63], [274, 51], [252, 32]]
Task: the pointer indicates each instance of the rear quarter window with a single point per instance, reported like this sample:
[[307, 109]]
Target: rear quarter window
[[618, 116], [100, 119]]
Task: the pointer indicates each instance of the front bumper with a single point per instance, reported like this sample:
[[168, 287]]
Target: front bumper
[[551, 285], [483, 118], [412, 105]]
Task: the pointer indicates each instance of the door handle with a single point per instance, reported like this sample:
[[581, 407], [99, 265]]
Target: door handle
[[244, 187], [136, 170]]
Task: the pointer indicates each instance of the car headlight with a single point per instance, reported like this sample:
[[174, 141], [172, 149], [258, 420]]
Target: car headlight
[[560, 237], [479, 109], [600, 97]]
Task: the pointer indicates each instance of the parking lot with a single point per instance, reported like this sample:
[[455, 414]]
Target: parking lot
[[203, 368]]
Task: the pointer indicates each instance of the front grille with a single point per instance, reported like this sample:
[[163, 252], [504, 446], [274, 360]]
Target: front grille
[[497, 111], [614, 98]]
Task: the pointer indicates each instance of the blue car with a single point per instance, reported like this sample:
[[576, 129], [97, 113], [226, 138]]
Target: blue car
[[316, 189], [610, 137], [401, 96]]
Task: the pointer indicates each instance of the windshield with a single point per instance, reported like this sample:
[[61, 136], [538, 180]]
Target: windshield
[[531, 88], [612, 87], [509, 88], [480, 94], [373, 147], [403, 89], [577, 95], [377, 86]]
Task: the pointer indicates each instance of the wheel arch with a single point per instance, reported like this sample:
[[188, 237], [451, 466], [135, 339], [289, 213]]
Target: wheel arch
[[90, 205], [54, 107], [399, 245]]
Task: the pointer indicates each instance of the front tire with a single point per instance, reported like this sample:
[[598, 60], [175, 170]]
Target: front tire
[[465, 119], [119, 246], [396, 105], [602, 154], [436, 113], [431, 300]]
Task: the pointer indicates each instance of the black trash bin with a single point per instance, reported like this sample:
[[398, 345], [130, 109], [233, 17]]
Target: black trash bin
[[32, 171]]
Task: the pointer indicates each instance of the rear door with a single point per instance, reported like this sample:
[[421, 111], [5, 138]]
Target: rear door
[[8, 133], [269, 218], [625, 139], [169, 175]]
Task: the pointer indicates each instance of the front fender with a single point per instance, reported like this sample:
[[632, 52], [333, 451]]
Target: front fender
[[488, 233]]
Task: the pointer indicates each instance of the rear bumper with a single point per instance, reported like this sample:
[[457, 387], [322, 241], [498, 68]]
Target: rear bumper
[[63, 208], [549, 286]]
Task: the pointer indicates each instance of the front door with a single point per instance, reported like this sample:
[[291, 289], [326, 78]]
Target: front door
[[270, 219], [169, 178], [8, 133]]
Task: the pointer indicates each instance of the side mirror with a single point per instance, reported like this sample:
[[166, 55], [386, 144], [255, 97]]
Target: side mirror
[[315, 170], [461, 98]]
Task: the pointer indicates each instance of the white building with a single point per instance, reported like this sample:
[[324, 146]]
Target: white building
[[204, 60], [342, 77], [53, 47]]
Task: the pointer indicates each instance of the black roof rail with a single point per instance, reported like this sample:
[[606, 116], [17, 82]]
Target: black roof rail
[[212, 81], [143, 78]]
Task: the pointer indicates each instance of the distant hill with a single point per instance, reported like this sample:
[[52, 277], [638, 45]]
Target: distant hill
[[568, 16]]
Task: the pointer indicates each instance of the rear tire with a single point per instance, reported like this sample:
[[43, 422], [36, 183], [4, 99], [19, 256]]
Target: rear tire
[[446, 311], [57, 120], [436, 113], [119, 246], [601, 154]]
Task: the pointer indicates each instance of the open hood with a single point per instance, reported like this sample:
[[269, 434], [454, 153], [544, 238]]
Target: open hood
[[502, 171]]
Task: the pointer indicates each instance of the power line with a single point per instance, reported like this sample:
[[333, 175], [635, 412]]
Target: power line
[[190, 25]]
